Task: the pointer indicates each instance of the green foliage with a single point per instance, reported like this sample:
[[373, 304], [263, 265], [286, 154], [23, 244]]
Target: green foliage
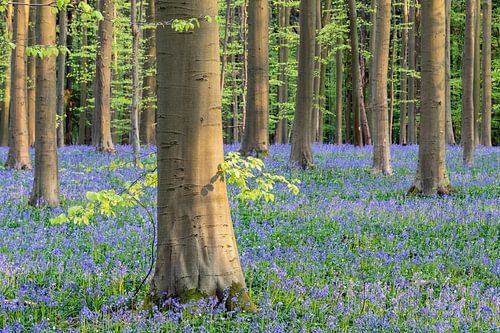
[[244, 172]]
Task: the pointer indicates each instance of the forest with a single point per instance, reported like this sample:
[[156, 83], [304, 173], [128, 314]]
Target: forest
[[249, 166]]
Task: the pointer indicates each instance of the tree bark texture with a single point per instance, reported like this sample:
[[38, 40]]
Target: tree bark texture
[[431, 178], [468, 84], [486, 110], [477, 70], [338, 90], [281, 135], [46, 179], [134, 112], [412, 109], [101, 126], [315, 119], [84, 134], [19, 157], [61, 76], [301, 154], [450, 136], [403, 105], [5, 106], [382, 148], [196, 252], [31, 77], [256, 134]]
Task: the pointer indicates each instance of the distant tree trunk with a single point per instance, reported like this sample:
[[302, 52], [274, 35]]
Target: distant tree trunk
[[244, 63], [412, 125], [148, 120], [326, 18], [355, 74], [46, 179], [450, 136], [134, 112], [431, 178], [61, 76], [477, 70], [31, 78], [19, 157], [192, 198], [256, 134], [468, 84], [338, 90], [224, 45], [392, 92], [348, 104], [372, 45], [382, 148], [301, 154], [315, 118], [101, 131], [281, 135], [486, 121], [5, 110], [84, 135], [403, 105]]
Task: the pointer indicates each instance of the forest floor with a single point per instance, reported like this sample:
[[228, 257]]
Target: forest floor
[[350, 252]]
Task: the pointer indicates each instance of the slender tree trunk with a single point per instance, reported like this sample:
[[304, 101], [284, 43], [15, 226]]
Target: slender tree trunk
[[301, 154], [46, 179], [348, 104], [31, 78], [468, 84], [315, 136], [431, 178], [84, 135], [244, 62], [338, 90], [281, 135], [403, 105], [134, 112], [355, 74], [392, 92], [326, 18], [412, 129], [224, 45], [19, 157], [61, 76], [477, 70], [148, 120], [486, 114], [256, 135], [382, 148], [196, 253], [101, 131], [372, 44], [450, 136], [5, 110]]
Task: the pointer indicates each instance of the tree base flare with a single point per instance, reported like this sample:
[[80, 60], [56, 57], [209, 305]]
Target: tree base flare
[[445, 189]]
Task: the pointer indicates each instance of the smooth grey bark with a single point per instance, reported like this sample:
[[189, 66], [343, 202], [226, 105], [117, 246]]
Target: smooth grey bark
[[281, 135], [450, 135], [486, 111], [412, 109], [468, 84], [5, 106], [134, 112], [338, 90], [61, 76], [403, 105]]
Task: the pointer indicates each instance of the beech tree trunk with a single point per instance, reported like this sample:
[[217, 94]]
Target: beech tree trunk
[[412, 110], [431, 178], [315, 118], [301, 154], [468, 84], [403, 105], [486, 112], [477, 70], [46, 178], [256, 134], [382, 148], [19, 157], [196, 252], [61, 76], [450, 136], [5, 106], [134, 112], [31, 77], [326, 18], [281, 135], [101, 126], [338, 90], [148, 120], [84, 134], [355, 74]]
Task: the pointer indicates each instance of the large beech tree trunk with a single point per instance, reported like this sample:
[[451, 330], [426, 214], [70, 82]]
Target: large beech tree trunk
[[382, 148], [61, 76], [281, 135], [431, 178], [355, 74], [101, 126], [450, 136], [468, 84], [31, 77], [19, 157], [46, 180], [301, 154], [486, 113], [196, 253], [5, 106], [148, 120], [256, 135]]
